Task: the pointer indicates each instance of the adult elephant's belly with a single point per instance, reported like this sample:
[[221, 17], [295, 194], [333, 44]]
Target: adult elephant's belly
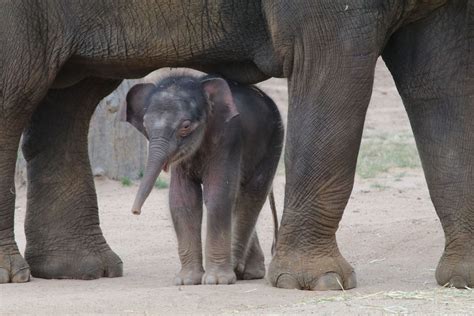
[[75, 70], [257, 66], [242, 72], [421, 9], [69, 76]]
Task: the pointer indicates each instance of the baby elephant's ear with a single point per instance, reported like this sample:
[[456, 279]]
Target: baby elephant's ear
[[218, 93], [137, 105]]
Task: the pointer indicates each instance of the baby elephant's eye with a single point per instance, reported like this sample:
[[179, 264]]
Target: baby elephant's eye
[[185, 128], [186, 124]]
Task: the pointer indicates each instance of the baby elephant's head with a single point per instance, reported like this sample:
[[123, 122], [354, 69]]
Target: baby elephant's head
[[173, 114]]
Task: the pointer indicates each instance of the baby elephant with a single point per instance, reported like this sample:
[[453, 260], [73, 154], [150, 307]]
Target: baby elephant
[[226, 137]]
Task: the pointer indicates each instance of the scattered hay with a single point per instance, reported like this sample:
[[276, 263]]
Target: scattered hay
[[458, 300]]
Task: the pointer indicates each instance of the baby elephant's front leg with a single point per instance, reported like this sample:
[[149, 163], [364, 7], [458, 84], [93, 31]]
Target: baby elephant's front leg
[[219, 269], [219, 199], [186, 211]]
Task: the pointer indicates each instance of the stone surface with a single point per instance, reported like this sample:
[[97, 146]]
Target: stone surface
[[116, 149]]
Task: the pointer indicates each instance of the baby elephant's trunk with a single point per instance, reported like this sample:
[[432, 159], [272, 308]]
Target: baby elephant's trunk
[[157, 155]]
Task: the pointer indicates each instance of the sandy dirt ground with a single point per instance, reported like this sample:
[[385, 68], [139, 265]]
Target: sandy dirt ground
[[389, 233]]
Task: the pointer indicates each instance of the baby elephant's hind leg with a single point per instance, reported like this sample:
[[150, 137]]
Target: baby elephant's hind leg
[[254, 267], [247, 254]]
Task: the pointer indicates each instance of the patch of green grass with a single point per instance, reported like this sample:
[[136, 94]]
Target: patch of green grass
[[378, 186], [398, 177], [161, 184], [380, 154], [126, 182], [140, 174]]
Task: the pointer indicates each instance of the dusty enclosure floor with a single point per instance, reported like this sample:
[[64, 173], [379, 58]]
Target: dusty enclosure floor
[[389, 233]]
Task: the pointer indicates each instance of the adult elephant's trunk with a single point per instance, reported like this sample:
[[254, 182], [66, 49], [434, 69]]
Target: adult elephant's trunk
[[157, 156]]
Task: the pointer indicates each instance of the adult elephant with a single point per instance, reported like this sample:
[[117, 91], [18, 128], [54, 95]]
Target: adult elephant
[[58, 58]]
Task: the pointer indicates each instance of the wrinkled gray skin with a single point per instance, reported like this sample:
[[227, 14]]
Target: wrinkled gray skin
[[227, 139], [58, 58]]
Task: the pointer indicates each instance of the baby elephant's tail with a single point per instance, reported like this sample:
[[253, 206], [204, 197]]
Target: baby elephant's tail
[[271, 199]]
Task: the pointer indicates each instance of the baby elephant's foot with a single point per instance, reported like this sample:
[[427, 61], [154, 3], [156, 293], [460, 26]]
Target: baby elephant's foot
[[253, 268], [189, 276], [219, 276]]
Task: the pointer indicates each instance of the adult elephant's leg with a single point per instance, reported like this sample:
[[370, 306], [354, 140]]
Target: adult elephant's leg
[[26, 71], [63, 236], [434, 74], [329, 91], [13, 268], [16, 108]]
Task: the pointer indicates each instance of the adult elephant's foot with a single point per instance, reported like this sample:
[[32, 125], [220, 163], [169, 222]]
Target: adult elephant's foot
[[13, 268], [74, 262], [189, 275], [306, 272], [456, 266]]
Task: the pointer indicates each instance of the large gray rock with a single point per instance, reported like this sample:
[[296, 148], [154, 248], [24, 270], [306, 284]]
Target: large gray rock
[[116, 149]]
